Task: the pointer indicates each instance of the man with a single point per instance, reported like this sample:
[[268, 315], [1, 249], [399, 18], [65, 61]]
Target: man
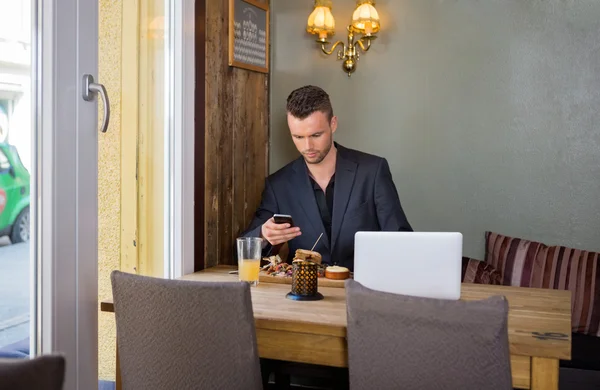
[[329, 189]]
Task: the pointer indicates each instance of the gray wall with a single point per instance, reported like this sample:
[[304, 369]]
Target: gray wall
[[488, 111]]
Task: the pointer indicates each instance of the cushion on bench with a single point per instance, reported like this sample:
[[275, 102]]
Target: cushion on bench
[[479, 272], [528, 263]]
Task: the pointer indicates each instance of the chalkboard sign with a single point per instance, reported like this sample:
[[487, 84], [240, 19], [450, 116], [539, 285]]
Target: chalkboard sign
[[249, 35]]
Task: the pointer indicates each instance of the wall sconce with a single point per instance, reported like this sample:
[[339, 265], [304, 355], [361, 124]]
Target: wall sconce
[[365, 21]]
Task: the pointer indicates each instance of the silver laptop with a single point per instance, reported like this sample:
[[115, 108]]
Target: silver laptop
[[420, 264]]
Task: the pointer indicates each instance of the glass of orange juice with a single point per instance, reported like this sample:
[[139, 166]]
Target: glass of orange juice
[[249, 254]]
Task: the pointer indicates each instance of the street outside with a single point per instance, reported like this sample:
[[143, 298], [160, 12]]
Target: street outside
[[14, 291], [17, 103]]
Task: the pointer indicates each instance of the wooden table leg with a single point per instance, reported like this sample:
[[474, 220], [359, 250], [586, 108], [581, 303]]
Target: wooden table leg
[[544, 374], [118, 373]]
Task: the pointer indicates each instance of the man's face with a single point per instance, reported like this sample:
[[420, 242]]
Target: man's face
[[312, 135]]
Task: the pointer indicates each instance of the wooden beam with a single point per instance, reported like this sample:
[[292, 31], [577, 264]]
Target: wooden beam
[[199, 137], [544, 373], [236, 141]]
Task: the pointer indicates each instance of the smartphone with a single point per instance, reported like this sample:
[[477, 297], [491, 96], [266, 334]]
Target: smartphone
[[283, 218]]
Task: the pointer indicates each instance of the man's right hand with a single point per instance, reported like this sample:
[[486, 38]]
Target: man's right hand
[[278, 233]]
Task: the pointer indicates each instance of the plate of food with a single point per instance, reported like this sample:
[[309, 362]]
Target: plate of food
[[277, 271]]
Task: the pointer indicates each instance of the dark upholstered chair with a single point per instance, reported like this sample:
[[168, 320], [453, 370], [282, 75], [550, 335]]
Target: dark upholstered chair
[[403, 342], [176, 334], [41, 373]]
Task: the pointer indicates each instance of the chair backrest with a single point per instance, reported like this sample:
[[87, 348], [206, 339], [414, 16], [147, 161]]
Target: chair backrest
[[402, 342], [175, 334], [41, 373]]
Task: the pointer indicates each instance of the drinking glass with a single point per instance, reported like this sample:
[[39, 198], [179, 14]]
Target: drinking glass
[[249, 254]]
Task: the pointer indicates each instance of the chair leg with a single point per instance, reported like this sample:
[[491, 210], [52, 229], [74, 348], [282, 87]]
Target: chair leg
[[282, 381], [270, 367], [341, 380], [266, 368]]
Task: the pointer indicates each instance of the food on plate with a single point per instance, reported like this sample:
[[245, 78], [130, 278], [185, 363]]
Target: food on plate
[[337, 272], [273, 260], [277, 267], [306, 255], [281, 269], [312, 257]]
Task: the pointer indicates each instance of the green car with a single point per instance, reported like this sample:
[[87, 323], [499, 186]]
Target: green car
[[14, 195]]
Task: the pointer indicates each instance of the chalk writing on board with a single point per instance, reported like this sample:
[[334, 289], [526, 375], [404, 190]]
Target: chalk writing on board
[[250, 35]]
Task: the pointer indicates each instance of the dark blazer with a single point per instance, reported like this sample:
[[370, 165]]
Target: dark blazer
[[365, 199]]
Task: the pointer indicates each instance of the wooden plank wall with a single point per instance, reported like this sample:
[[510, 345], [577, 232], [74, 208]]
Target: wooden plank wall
[[236, 141]]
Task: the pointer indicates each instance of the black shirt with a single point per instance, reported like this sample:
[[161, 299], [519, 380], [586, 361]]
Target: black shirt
[[325, 203]]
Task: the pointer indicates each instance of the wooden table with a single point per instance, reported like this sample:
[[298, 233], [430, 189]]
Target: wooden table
[[539, 326]]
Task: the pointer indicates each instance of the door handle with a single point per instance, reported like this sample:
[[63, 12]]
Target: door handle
[[90, 90]]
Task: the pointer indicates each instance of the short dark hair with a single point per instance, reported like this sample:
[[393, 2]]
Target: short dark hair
[[306, 100]]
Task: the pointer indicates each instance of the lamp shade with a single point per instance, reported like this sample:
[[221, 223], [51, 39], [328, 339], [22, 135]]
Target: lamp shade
[[365, 18], [321, 20]]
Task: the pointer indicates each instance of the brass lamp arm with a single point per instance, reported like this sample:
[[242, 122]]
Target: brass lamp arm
[[362, 45], [329, 52]]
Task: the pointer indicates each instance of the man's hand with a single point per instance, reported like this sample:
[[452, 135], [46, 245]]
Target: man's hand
[[278, 233]]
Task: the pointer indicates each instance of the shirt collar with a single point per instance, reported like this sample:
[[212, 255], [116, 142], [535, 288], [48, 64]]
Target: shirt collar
[[316, 186]]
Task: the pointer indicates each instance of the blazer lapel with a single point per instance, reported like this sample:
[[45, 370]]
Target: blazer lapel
[[345, 171], [301, 186]]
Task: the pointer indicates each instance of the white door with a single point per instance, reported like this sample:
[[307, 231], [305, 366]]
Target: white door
[[68, 130], [67, 142], [54, 199]]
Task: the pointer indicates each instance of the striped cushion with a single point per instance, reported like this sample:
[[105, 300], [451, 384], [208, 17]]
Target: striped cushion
[[533, 264], [479, 272]]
